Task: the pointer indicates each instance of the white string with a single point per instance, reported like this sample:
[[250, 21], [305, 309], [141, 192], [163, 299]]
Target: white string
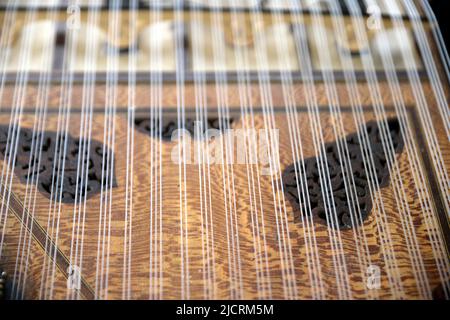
[[180, 92], [437, 34], [277, 184], [219, 54], [392, 164], [201, 110], [35, 159], [132, 63], [12, 149], [102, 271], [156, 120], [79, 216], [324, 176], [436, 241]]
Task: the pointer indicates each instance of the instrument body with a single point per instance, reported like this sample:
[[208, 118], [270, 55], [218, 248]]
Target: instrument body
[[160, 229]]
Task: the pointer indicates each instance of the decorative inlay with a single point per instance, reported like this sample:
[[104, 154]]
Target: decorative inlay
[[315, 196], [50, 169]]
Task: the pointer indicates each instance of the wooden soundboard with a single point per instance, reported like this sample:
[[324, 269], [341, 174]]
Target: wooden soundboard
[[151, 228]]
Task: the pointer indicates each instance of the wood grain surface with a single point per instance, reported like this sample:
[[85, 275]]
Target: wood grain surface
[[235, 271], [224, 231]]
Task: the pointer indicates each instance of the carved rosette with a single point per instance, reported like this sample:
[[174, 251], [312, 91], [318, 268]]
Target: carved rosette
[[58, 167], [156, 128], [314, 198]]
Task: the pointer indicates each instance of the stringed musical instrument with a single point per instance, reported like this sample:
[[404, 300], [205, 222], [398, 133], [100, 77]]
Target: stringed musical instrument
[[223, 150]]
